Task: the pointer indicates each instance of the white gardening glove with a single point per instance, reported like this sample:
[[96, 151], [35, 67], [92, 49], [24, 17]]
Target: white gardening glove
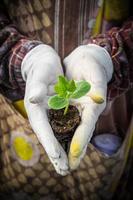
[[40, 69], [93, 64]]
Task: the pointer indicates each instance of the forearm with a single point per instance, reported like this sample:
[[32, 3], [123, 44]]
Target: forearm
[[118, 43], [13, 48]]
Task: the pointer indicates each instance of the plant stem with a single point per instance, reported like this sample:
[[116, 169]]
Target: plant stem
[[66, 109]]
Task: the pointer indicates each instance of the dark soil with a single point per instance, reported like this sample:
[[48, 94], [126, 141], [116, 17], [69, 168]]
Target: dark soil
[[64, 126]]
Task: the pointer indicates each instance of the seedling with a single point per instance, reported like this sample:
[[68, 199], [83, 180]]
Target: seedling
[[67, 90]]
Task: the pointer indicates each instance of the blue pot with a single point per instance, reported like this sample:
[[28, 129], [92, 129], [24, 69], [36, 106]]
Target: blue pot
[[107, 143]]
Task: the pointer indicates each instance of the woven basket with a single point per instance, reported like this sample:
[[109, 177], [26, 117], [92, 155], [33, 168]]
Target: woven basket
[[30, 170]]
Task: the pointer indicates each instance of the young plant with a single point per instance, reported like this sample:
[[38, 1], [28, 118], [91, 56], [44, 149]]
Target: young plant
[[67, 90]]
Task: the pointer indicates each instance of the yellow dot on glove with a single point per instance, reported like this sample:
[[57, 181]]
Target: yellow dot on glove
[[75, 150], [97, 98], [22, 148]]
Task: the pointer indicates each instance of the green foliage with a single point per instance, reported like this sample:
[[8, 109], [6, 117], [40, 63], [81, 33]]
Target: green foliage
[[67, 90], [56, 102]]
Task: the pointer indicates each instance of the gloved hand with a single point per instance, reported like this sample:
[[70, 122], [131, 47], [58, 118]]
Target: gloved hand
[[40, 69], [93, 64]]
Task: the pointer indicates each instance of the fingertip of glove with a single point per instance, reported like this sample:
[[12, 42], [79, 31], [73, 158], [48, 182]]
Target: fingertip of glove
[[73, 163], [97, 98], [75, 150]]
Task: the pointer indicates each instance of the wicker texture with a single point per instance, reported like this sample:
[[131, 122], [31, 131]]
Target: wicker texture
[[93, 179]]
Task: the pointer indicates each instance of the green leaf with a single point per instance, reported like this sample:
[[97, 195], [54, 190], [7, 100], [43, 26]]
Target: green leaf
[[62, 80], [60, 90], [56, 102], [71, 86], [82, 88], [61, 86]]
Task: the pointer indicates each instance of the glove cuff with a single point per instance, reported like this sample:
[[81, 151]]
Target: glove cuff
[[35, 56], [97, 53], [103, 57]]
